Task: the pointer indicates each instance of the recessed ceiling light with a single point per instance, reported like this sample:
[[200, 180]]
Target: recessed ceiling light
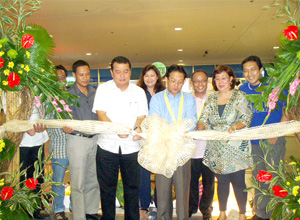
[[180, 50], [178, 29], [51, 35], [276, 47], [88, 54], [180, 61]]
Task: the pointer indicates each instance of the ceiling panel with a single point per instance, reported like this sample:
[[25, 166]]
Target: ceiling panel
[[143, 30]]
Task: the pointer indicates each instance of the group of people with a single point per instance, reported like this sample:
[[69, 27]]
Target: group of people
[[95, 160]]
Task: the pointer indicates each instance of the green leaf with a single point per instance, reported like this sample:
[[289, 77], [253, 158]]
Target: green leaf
[[7, 19], [259, 199], [46, 204], [26, 15], [50, 108]]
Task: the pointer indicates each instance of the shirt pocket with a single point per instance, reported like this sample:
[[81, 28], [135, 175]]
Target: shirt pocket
[[133, 107]]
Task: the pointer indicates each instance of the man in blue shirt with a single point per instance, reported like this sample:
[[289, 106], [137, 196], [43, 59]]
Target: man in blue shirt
[[253, 69], [174, 105]]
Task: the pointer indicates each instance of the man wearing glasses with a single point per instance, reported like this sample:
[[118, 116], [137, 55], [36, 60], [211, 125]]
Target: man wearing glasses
[[199, 83]]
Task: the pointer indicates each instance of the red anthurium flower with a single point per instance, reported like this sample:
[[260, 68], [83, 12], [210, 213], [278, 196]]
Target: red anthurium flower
[[297, 219], [13, 79], [6, 193], [31, 183], [1, 62], [263, 176], [279, 191], [27, 41], [291, 32]]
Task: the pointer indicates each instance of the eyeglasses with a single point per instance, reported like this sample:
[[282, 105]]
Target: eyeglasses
[[200, 81]]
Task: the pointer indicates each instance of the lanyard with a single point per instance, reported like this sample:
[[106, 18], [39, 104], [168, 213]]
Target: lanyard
[[170, 108], [200, 112], [202, 108]]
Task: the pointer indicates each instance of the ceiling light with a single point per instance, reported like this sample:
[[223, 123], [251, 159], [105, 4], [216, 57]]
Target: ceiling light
[[51, 35], [180, 61], [180, 50], [88, 54], [276, 47], [178, 29]]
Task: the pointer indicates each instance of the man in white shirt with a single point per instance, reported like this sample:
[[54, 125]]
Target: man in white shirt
[[119, 101], [199, 82]]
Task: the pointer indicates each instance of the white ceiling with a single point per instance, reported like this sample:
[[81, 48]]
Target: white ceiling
[[143, 30]]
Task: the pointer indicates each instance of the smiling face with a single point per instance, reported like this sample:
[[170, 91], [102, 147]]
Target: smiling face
[[121, 74], [82, 76], [223, 81], [199, 83], [252, 73], [175, 82], [150, 79]]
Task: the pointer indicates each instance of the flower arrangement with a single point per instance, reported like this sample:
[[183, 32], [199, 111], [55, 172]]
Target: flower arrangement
[[281, 84], [284, 187], [24, 53], [25, 66], [19, 199], [284, 75]]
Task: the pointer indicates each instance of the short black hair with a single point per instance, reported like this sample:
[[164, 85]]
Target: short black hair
[[253, 58], [61, 67], [120, 59], [199, 71], [175, 68], [79, 63]]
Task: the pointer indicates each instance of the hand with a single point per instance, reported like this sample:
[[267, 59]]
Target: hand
[[31, 132], [123, 135], [273, 140], [137, 137], [68, 130], [231, 129], [39, 127]]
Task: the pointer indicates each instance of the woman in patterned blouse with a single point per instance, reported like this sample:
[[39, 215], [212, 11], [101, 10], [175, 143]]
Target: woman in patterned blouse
[[227, 110]]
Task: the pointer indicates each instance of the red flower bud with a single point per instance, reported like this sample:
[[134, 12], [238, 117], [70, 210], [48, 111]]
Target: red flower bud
[[263, 176], [31, 183], [279, 191], [27, 41], [1, 62], [13, 79], [6, 193], [291, 32]]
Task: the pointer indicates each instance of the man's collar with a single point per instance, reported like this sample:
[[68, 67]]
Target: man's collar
[[77, 90], [205, 95], [115, 86], [169, 94]]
